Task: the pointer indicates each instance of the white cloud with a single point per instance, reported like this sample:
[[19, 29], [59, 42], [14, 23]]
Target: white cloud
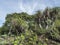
[[27, 7], [33, 5]]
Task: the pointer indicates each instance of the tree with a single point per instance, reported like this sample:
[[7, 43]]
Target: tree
[[38, 18]]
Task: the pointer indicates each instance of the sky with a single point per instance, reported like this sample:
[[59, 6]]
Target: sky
[[28, 6]]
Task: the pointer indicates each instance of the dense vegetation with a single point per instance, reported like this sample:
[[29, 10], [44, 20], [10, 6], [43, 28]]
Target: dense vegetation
[[41, 28]]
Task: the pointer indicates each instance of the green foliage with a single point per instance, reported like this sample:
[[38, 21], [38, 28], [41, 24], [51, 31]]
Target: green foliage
[[25, 29]]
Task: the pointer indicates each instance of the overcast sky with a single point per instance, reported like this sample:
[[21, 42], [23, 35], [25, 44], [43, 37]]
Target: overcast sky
[[29, 6]]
